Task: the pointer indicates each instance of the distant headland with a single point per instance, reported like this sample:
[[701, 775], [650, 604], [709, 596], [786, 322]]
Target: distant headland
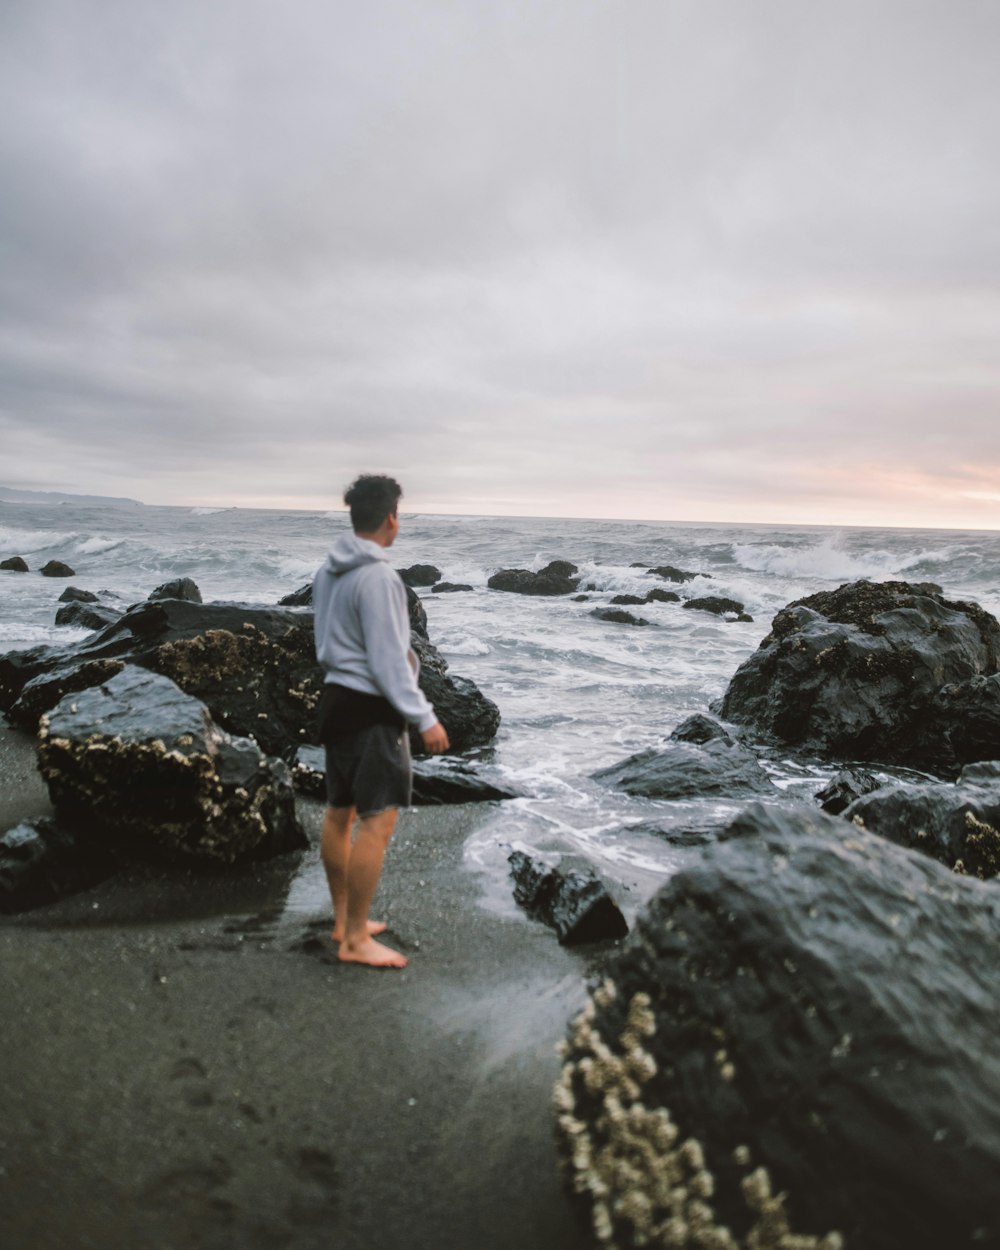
[[9, 494]]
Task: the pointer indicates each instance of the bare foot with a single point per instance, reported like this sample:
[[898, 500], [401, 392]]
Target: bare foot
[[374, 927], [372, 953]]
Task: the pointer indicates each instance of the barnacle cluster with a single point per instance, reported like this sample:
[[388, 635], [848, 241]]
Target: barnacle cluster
[[646, 1185], [982, 845]]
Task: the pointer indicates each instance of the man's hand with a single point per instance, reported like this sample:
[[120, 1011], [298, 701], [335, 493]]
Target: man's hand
[[435, 739]]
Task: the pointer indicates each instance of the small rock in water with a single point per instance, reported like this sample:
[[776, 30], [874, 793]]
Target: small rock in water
[[14, 564], [568, 896], [420, 575], [56, 568], [180, 588]]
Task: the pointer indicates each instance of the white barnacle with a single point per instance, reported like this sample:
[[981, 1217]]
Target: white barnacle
[[605, 993], [702, 1184], [727, 1072], [693, 1154], [756, 1188]]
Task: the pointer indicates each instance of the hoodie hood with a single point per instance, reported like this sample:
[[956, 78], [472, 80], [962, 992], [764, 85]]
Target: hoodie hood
[[350, 552]]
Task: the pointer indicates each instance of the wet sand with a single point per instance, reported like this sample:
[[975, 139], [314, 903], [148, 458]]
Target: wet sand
[[186, 1065]]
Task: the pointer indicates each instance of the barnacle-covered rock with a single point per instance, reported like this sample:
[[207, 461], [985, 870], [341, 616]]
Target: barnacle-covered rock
[[800, 1032], [142, 762], [889, 671]]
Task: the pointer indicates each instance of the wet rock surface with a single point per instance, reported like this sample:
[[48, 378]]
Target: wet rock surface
[[698, 760], [669, 573], [958, 824], [845, 787], [73, 594], [56, 568], [618, 616], [143, 762], [557, 578], [719, 606], [301, 598], [445, 588], [86, 615], [800, 1033], [568, 896], [14, 564], [890, 672], [42, 861], [178, 588], [420, 575], [255, 668]]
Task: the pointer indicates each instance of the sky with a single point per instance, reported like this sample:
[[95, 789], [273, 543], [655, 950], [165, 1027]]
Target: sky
[[713, 260]]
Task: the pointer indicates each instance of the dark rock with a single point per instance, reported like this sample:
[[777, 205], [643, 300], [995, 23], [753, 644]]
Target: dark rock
[[848, 785], [658, 595], [73, 594], [628, 601], [445, 588], [41, 861], [436, 781], [685, 769], [639, 564], [301, 598], [86, 615], [677, 835], [141, 761], [811, 1001], [14, 564], [179, 588], [255, 668], [581, 598], [958, 824], [719, 605], [618, 616], [420, 575], [671, 574], [890, 672], [555, 579], [701, 729], [568, 896], [56, 568]]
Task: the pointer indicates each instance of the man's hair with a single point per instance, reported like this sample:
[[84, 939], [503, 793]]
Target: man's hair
[[371, 498]]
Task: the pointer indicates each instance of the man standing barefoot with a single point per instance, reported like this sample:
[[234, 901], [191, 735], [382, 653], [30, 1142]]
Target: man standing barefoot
[[370, 696]]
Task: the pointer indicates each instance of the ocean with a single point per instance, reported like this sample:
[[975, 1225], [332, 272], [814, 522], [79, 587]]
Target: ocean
[[576, 693]]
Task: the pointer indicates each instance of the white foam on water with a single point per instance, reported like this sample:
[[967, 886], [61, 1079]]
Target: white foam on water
[[830, 560], [455, 642], [97, 546], [17, 541], [210, 511]]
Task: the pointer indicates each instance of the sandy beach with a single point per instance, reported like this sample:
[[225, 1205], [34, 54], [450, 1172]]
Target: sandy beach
[[186, 1064]]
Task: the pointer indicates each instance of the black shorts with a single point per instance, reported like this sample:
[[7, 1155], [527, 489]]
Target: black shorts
[[369, 770]]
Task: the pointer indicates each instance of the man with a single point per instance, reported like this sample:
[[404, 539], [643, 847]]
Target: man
[[370, 696]]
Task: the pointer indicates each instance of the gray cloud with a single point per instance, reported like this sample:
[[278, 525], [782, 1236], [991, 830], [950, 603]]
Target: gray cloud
[[688, 257]]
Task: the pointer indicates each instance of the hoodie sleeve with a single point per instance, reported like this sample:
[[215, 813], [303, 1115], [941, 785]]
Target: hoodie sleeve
[[385, 623]]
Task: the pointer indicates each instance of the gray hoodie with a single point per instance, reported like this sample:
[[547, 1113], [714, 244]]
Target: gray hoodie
[[362, 627]]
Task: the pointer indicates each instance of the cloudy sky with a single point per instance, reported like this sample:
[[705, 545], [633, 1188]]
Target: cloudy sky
[[678, 259]]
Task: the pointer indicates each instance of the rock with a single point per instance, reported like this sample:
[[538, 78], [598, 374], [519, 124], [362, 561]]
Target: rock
[[141, 761], [420, 575], [14, 564], [658, 595], [581, 598], [436, 781], [808, 1010], [671, 574], [686, 769], [701, 729], [719, 605], [56, 568], [73, 594], [86, 615], [958, 824], [848, 785], [445, 588], [628, 601], [568, 896], [301, 598], [254, 667], [618, 616], [888, 672], [179, 588], [41, 861], [555, 579]]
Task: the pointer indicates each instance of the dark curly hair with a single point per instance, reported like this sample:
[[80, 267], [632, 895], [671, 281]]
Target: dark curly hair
[[371, 498]]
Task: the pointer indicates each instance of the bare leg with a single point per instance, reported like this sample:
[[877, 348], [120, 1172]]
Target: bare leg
[[335, 849], [364, 870]]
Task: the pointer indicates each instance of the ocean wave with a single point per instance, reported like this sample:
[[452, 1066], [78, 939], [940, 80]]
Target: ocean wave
[[210, 511], [97, 546], [455, 642], [831, 561], [18, 541]]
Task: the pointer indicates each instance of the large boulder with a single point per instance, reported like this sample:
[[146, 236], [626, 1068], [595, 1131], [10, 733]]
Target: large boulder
[[14, 564], [73, 594], [56, 568], [841, 791], [86, 615], [801, 1030], [890, 672], [701, 758], [420, 575], [255, 668], [719, 605], [959, 824], [557, 578], [142, 762]]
